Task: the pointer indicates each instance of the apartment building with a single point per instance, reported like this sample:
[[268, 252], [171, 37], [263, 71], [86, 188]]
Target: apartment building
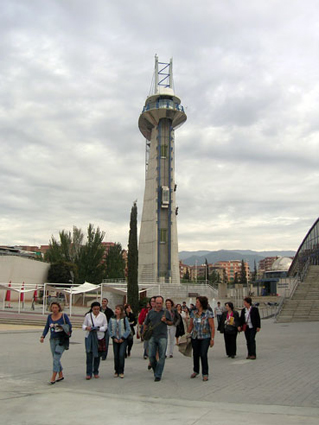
[[233, 268]]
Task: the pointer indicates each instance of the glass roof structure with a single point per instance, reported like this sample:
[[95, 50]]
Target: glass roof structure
[[308, 252]]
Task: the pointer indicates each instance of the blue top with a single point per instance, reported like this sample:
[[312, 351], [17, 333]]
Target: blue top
[[118, 329], [55, 326], [201, 328]]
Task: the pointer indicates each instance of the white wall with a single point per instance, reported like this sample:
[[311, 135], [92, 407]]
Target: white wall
[[18, 270]]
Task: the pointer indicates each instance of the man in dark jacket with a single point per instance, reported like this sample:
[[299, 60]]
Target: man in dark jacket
[[250, 320], [108, 313]]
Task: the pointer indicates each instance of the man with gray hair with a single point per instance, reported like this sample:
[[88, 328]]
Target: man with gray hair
[[158, 319]]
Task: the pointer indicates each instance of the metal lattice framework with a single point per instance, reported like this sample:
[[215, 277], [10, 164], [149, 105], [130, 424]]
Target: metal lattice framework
[[308, 252]]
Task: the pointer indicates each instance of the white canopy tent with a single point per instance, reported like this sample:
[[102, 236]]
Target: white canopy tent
[[121, 288], [20, 288], [73, 290]]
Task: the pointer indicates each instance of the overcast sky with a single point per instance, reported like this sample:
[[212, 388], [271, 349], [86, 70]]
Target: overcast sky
[[74, 76]]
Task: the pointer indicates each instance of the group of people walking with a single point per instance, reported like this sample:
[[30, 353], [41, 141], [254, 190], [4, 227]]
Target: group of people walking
[[230, 323], [164, 327], [100, 324]]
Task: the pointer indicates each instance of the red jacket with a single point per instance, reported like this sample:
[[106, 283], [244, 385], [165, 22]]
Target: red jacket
[[142, 315]]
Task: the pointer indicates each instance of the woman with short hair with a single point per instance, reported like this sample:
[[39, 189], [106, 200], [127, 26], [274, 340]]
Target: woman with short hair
[[228, 325], [59, 340], [250, 324], [202, 331], [171, 329]]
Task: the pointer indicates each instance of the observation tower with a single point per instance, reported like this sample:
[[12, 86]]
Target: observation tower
[[158, 246]]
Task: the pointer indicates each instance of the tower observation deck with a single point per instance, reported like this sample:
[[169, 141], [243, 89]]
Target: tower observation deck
[[158, 245]]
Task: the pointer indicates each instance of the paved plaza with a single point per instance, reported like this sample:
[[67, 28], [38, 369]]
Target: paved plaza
[[280, 387]]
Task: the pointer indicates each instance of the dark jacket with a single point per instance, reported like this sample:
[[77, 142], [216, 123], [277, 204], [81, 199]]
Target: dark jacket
[[108, 313], [132, 321], [229, 329], [254, 316]]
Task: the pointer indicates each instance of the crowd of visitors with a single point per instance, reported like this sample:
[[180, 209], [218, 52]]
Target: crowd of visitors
[[160, 328]]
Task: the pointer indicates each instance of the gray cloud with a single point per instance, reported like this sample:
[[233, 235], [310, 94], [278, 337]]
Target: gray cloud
[[74, 78]]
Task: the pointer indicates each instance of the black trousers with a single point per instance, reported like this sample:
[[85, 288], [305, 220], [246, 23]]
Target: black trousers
[[200, 350], [250, 334], [129, 344], [230, 344]]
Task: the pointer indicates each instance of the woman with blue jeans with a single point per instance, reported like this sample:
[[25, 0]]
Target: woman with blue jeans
[[120, 329], [202, 331], [54, 323], [95, 325]]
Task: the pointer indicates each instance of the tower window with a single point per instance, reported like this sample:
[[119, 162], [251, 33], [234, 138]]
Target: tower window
[[164, 150], [165, 196], [163, 235]]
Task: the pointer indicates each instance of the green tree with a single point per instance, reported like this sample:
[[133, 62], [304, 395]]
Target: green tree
[[61, 272], [132, 262], [214, 277], [186, 275], [206, 271], [115, 263], [91, 264], [87, 259], [243, 277], [67, 248], [254, 277]]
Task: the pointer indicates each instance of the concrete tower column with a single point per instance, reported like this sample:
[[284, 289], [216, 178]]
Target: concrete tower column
[[158, 246]]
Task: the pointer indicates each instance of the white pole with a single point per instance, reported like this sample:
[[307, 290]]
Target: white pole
[[44, 297], [71, 301], [156, 75]]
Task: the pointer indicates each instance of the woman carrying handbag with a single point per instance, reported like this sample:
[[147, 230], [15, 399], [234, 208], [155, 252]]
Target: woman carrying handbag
[[120, 330], [95, 325], [228, 325]]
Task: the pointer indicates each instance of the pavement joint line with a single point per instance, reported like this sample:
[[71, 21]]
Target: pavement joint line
[[281, 387], [229, 406]]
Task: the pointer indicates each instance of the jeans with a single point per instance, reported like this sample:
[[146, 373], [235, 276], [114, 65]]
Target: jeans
[[107, 341], [171, 332], [119, 350], [200, 349], [146, 353], [250, 335], [57, 351], [92, 364], [154, 345]]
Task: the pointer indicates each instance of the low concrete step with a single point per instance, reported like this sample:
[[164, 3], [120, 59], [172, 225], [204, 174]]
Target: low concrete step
[[35, 322]]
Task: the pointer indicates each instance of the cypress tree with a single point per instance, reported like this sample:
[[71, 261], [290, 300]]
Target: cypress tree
[[243, 277], [207, 271], [132, 262]]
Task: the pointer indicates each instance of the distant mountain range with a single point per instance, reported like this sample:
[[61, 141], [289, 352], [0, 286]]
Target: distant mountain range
[[191, 257]]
